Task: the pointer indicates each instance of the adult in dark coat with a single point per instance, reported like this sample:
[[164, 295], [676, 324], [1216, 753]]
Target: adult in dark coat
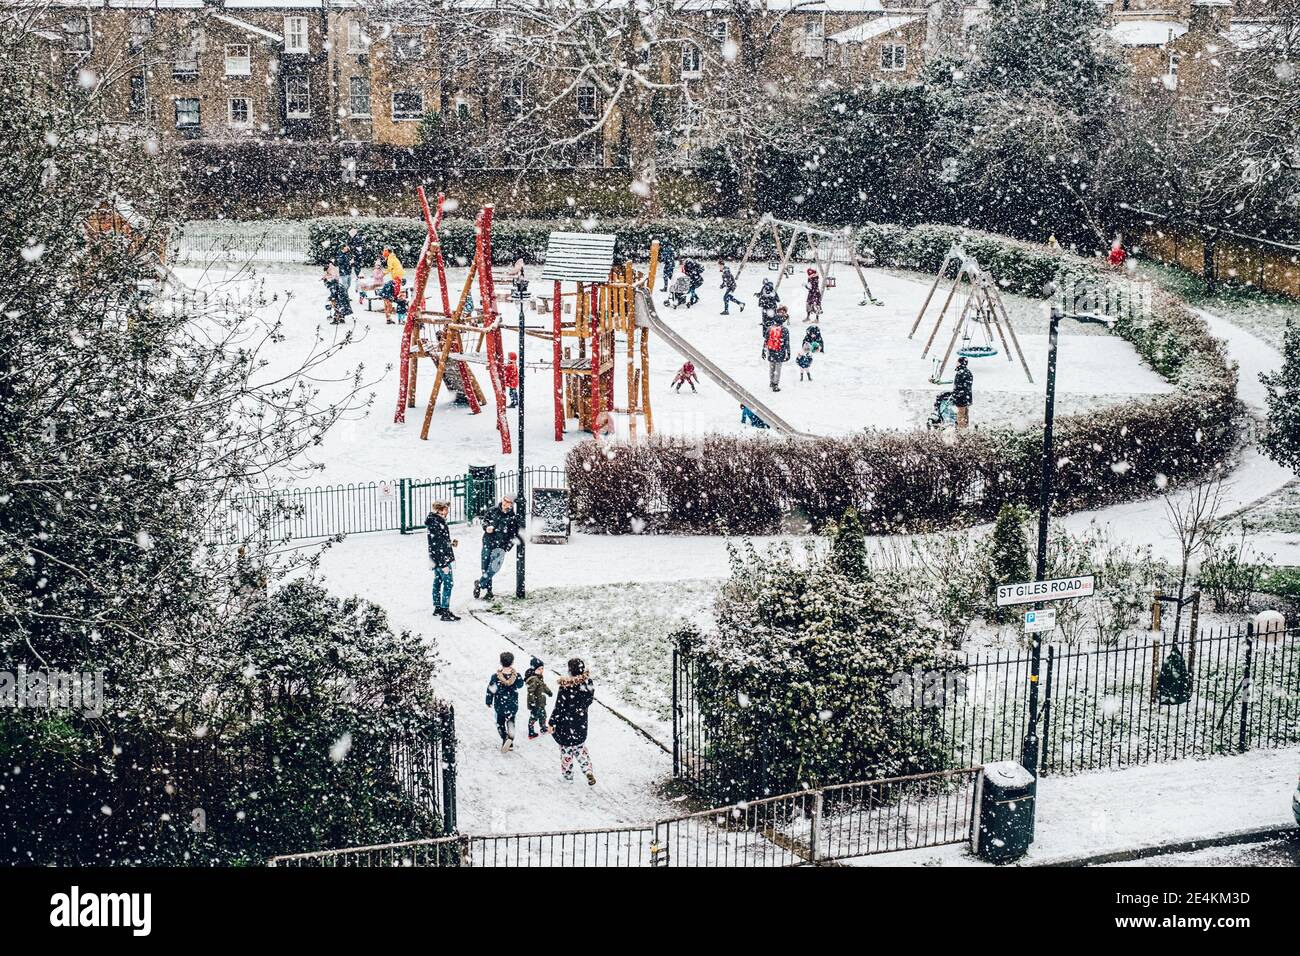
[[346, 262], [442, 557], [569, 720], [668, 260], [963, 392], [500, 528]]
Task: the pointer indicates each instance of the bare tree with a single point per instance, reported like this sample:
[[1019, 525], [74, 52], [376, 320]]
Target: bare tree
[[1191, 515], [651, 80]]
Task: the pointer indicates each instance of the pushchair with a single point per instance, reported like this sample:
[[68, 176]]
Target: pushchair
[[678, 292], [945, 412]]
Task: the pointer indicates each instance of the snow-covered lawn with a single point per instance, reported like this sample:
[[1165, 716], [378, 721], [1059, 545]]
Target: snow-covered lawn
[[870, 375], [620, 630]]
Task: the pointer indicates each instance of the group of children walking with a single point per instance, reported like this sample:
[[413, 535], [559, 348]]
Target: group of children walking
[[567, 723]]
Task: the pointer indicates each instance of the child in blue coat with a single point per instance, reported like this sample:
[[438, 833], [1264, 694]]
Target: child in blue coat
[[503, 696], [804, 361]]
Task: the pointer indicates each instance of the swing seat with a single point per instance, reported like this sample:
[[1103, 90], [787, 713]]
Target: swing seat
[[773, 265], [830, 282], [789, 270], [977, 351]]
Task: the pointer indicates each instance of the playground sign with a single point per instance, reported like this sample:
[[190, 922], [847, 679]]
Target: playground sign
[[1056, 589], [1038, 621]]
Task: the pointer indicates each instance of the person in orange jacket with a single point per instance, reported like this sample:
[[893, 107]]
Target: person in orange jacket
[[512, 379]]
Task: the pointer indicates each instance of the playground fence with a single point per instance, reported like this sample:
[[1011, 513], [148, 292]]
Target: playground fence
[[291, 514], [240, 243], [1101, 708]]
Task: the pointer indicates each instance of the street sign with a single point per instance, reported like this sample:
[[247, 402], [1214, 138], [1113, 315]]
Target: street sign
[[1039, 621], [1056, 589]]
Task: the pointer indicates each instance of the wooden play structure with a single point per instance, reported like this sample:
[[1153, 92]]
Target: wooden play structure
[[823, 248], [593, 313], [602, 307], [980, 314]]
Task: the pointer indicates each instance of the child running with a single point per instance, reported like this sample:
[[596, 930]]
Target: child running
[[535, 679], [503, 697], [686, 376]]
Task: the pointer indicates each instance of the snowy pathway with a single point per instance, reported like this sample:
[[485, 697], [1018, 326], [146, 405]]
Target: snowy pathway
[[500, 793]]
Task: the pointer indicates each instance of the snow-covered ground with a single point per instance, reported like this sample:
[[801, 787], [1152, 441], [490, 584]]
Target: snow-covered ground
[[871, 374], [1117, 811]]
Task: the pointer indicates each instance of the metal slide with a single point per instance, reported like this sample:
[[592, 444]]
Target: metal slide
[[648, 317]]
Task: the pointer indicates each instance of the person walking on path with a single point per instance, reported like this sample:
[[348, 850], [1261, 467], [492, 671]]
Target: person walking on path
[[963, 392], [503, 697], [511, 380], [442, 556], [535, 680], [777, 350], [500, 528], [668, 257], [569, 720], [729, 290], [813, 307]]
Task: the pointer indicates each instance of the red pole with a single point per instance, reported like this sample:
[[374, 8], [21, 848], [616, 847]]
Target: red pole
[[495, 356], [437, 256], [596, 386], [415, 307], [556, 354]]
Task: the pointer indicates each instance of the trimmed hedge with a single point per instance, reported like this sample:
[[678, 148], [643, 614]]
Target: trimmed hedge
[[919, 481]]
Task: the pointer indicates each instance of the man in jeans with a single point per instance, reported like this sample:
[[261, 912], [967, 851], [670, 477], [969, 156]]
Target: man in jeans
[[442, 557], [777, 349], [500, 528]]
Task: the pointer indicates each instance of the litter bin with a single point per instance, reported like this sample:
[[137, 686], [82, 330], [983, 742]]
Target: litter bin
[[1006, 812], [482, 490]]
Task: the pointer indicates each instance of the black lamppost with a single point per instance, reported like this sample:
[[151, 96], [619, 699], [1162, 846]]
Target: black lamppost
[[1029, 754], [520, 295]]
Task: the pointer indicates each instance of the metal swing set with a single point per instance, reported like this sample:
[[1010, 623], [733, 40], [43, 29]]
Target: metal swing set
[[825, 249], [980, 315]]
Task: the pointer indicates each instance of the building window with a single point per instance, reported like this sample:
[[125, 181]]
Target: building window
[[512, 94], [893, 56], [359, 96], [138, 102], [1173, 65], [238, 60], [408, 47], [814, 39], [358, 40], [720, 31], [187, 114], [139, 32], [241, 111], [76, 34], [297, 98], [587, 100], [295, 35], [408, 106], [691, 65], [462, 110], [186, 63]]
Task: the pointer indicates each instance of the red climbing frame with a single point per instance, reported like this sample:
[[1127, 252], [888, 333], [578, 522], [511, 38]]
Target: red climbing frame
[[415, 308], [492, 322]]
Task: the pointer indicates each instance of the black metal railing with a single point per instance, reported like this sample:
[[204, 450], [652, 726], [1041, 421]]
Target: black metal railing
[[1101, 708]]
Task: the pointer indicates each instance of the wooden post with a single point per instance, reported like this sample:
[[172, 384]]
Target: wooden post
[[557, 328], [1155, 670], [1191, 637], [596, 387], [1155, 611]]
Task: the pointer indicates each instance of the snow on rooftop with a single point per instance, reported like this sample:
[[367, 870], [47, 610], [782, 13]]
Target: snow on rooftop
[[274, 4], [874, 28], [250, 27], [1252, 34], [1147, 32]]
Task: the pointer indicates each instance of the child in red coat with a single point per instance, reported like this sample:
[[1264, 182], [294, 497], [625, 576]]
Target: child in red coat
[[512, 379], [686, 376]]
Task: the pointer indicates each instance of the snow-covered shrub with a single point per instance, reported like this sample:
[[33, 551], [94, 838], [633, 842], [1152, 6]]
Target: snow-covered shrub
[[1229, 573], [952, 582], [1127, 577], [796, 684]]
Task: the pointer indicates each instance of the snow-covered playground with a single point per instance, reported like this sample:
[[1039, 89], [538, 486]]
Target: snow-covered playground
[[871, 375]]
